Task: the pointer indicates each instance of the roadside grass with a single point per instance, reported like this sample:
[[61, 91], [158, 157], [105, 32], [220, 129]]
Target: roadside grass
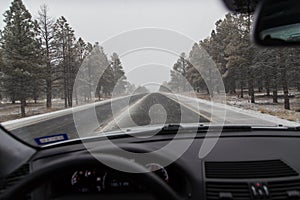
[[264, 104], [283, 114], [10, 111]]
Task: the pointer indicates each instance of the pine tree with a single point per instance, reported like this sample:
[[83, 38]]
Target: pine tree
[[64, 45], [200, 69], [82, 50], [105, 80], [95, 75], [46, 24], [192, 74], [284, 82], [1, 57], [179, 73], [294, 67], [1, 69], [119, 78], [21, 50]]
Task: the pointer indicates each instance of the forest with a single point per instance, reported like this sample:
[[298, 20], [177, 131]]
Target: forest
[[39, 58], [246, 68]]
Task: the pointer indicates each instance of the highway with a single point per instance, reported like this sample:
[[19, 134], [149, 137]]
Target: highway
[[143, 109], [64, 122]]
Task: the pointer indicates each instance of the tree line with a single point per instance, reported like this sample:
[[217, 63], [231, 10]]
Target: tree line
[[39, 59], [245, 68]]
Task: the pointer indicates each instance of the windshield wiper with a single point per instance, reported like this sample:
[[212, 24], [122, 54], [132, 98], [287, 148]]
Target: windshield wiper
[[204, 126], [172, 129], [201, 128]]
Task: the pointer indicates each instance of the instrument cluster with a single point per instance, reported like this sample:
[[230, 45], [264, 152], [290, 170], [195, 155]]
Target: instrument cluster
[[93, 180]]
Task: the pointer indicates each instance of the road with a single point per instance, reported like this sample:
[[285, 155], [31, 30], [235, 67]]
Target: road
[[155, 108], [145, 109], [65, 123]]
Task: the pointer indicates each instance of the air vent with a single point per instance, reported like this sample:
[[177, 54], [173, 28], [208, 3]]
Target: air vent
[[248, 169], [14, 178], [285, 190], [236, 191]]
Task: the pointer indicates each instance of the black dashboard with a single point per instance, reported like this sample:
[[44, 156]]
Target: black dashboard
[[100, 182], [242, 165]]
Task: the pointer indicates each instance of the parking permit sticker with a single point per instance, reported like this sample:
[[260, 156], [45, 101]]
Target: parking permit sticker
[[51, 139]]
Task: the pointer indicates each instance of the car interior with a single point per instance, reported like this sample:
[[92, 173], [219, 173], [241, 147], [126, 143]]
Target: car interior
[[242, 163]]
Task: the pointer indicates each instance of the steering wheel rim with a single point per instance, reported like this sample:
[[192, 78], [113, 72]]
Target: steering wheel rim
[[155, 185]]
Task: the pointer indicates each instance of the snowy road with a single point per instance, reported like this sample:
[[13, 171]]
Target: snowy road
[[155, 108]]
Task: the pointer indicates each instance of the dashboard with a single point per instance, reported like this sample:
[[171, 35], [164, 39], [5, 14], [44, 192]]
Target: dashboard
[[93, 180], [253, 165], [87, 180]]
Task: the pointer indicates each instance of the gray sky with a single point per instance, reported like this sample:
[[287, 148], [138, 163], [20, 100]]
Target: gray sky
[[172, 26]]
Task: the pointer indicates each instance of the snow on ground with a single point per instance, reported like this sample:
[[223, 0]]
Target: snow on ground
[[265, 105], [278, 117], [10, 111]]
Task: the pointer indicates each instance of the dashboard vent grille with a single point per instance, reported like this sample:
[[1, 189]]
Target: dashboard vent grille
[[248, 169], [237, 191], [14, 178], [281, 189]]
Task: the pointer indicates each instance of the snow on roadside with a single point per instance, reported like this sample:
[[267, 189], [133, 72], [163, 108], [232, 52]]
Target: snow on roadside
[[247, 111], [266, 106], [264, 116]]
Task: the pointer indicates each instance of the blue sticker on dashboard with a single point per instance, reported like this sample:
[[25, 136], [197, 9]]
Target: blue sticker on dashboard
[[51, 139]]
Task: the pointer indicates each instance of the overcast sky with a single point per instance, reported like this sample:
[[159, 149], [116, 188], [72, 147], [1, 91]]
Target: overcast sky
[[147, 34]]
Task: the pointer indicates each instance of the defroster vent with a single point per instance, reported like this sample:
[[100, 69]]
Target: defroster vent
[[248, 169]]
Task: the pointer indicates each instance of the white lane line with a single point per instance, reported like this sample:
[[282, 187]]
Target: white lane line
[[190, 108], [121, 114]]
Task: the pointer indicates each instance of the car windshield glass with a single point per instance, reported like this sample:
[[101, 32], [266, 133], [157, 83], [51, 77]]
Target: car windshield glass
[[75, 69]]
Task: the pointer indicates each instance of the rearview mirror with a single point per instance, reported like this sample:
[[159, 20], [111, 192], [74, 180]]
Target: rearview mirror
[[278, 23]]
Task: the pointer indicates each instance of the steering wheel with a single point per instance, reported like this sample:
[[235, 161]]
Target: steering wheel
[[153, 183]]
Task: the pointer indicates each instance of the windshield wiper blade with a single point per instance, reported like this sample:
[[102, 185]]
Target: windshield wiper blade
[[201, 128], [173, 129]]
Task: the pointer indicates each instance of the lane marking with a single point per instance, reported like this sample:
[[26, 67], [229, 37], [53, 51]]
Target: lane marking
[[121, 114], [190, 108]]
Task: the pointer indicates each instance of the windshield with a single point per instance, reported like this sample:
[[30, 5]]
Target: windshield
[[81, 69]]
